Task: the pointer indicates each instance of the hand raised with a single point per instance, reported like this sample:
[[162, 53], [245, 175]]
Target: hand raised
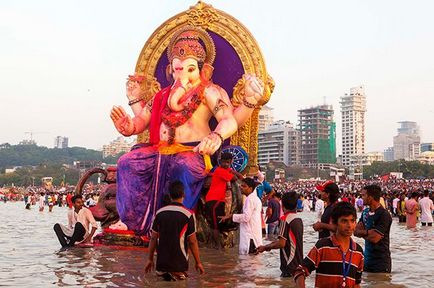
[[134, 91], [122, 121], [253, 89]]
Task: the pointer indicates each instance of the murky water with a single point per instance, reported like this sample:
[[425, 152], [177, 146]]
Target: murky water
[[30, 257]]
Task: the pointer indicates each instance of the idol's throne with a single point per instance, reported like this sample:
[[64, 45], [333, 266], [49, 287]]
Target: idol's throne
[[237, 53]]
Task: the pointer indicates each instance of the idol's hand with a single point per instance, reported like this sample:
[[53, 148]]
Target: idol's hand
[[123, 122], [209, 144], [253, 89], [134, 91]]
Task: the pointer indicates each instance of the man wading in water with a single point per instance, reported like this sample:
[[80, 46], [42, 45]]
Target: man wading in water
[[175, 228]]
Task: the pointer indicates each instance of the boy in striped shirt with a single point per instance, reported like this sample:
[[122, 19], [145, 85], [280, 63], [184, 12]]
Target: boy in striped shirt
[[338, 259]]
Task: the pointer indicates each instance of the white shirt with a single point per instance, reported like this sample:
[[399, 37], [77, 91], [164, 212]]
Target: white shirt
[[395, 202], [250, 223], [306, 205], [41, 201], [84, 216], [319, 208], [426, 205]]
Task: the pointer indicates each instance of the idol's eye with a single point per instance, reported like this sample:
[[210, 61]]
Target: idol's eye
[[191, 69]]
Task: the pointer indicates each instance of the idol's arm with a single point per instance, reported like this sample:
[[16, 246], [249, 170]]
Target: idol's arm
[[128, 126], [218, 102]]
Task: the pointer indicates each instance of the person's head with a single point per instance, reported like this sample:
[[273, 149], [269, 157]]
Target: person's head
[[247, 186], [226, 160], [329, 191], [414, 195], [77, 201], [371, 194], [344, 217], [289, 201], [426, 193], [176, 190]]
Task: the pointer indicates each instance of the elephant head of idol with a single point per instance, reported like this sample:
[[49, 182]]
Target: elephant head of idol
[[191, 53]]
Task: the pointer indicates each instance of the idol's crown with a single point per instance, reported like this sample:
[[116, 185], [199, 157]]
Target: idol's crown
[[187, 45]]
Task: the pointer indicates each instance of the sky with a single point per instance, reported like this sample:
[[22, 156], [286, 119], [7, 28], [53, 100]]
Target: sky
[[63, 64]]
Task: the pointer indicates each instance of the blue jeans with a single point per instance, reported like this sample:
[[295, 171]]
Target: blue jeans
[[273, 228]]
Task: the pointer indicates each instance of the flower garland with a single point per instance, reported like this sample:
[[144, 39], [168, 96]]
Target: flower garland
[[173, 119]]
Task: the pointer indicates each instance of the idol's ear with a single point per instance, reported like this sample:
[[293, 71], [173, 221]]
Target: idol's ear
[[169, 72], [206, 72]]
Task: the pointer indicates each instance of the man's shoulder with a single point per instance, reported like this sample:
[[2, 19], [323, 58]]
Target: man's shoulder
[[84, 211], [296, 223], [358, 247], [254, 197], [382, 212], [175, 208], [273, 202], [324, 242], [222, 171]]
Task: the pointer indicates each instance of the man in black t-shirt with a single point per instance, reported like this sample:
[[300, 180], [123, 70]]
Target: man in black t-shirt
[[290, 240], [374, 226], [175, 228], [330, 195]]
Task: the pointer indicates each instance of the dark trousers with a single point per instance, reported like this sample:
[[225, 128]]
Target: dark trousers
[[67, 241], [252, 247]]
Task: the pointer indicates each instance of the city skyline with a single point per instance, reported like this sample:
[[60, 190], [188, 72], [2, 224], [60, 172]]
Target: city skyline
[[64, 64]]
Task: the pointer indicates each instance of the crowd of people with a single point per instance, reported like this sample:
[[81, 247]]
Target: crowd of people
[[271, 208], [55, 196], [338, 259]]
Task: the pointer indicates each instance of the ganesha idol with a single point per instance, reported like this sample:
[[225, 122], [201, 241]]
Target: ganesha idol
[[181, 140]]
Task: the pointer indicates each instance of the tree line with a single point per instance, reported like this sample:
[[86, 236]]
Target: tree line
[[409, 169], [36, 162]]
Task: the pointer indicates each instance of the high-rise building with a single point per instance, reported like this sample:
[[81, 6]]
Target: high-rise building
[[406, 145], [279, 142], [61, 142], [115, 147], [317, 135], [388, 154], [424, 147], [266, 117], [353, 109]]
